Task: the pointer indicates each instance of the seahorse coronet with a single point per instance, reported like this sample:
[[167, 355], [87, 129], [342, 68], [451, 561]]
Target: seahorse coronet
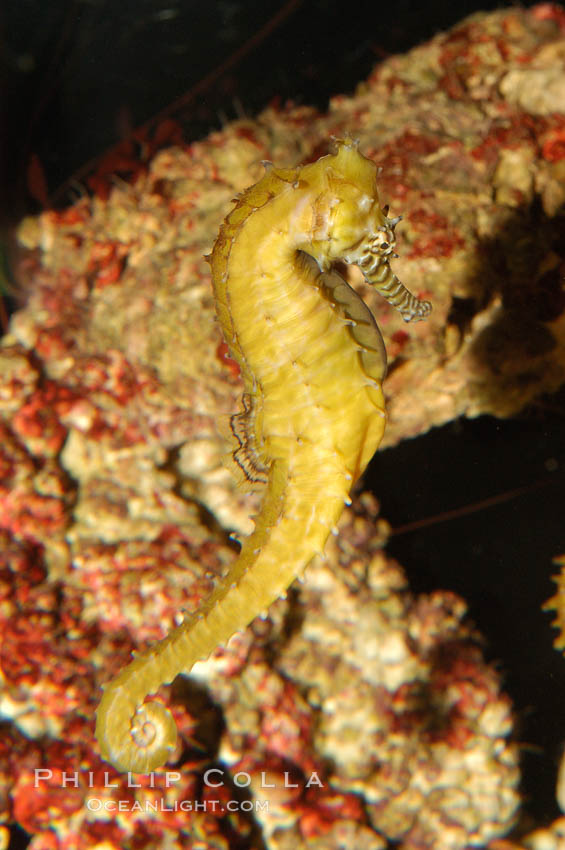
[[312, 361]]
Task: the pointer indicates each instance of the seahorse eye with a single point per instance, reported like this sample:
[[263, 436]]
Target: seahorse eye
[[383, 241]]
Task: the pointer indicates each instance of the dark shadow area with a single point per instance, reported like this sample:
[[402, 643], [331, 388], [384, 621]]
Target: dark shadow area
[[202, 755], [209, 723], [522, 263], [498, 558]]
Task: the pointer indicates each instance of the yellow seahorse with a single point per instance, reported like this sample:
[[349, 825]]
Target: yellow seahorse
[[312, 361]]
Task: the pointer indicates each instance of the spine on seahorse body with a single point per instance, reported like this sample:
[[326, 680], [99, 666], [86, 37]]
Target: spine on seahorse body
[[312, 362]]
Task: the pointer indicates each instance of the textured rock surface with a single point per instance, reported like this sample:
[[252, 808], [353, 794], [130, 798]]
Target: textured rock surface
[[115, 507]]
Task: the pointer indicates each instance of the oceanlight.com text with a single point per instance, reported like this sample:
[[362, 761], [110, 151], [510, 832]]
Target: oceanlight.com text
[[95, 804]]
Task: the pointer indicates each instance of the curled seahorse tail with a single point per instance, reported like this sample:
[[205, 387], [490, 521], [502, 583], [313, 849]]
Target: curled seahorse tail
[[140, 736], [134, 735]]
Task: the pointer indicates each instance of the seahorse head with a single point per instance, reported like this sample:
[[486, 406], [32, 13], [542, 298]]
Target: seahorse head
[[348, 209], [349, 224]]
